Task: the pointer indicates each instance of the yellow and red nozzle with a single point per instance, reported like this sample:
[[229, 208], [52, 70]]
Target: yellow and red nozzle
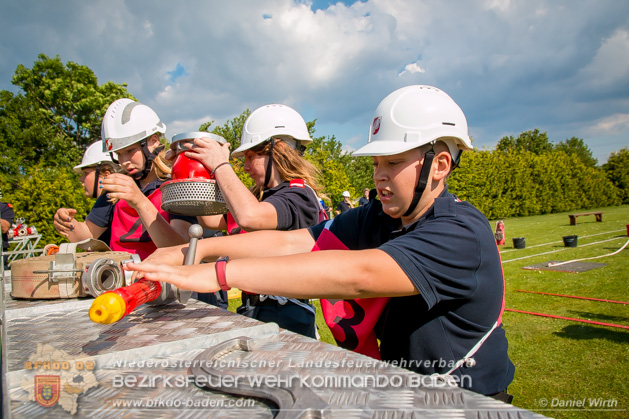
[[112, 306], [108, 308]]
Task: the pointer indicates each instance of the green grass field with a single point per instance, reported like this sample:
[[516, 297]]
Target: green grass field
[[565, 368], [559, 362]]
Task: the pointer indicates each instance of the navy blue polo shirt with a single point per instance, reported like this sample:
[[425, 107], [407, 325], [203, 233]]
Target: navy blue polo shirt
[[343, 207], [296, 207], [450, 256], [7, 214], [102, 213]]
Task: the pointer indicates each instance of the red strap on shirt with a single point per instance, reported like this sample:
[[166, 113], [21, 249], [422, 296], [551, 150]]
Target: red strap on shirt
[[220, 266], [299, 183]]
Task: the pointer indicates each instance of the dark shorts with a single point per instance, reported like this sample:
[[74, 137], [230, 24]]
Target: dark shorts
[[288, 316], [218, 299]]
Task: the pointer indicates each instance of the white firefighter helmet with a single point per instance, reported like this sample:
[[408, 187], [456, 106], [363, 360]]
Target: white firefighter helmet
[[413, 116], [127, 122], [273, 120], [93, 156]]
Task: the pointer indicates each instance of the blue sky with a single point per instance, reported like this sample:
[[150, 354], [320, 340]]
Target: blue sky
[[512, 65], [323, 5]]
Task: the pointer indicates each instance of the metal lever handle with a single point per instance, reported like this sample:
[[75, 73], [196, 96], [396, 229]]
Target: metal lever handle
[[196, 232], [171, 292]]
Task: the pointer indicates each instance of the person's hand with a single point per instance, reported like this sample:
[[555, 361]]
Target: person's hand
[[199, 278], [119, 186], [173, 256], [209, 152], [63, 220], [4, 227]]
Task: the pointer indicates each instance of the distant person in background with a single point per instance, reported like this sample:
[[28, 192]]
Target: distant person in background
[[7, 218], [364, 200], [500, 233], [345, 205], [95, 165]]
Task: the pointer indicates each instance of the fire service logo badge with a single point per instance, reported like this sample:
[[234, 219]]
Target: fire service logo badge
[[55, 379], [47, 389], [376, 125]]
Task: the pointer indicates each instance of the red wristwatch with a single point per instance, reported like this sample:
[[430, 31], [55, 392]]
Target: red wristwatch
[[220, 265]]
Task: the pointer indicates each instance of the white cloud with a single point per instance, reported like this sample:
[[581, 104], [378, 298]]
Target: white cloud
[[613, 124], [500, 5], [511, 66], [148, 29], [347, 149], [165, 94], [412, 68], [610, 65], [354, 140], [180, 126]]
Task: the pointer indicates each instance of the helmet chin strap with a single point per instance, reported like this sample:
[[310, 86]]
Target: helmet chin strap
[[148, 160], [96, 179], [422, 182], [457, 160], [269, 165]]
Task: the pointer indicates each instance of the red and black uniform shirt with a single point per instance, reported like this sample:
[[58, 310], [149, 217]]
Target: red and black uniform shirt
[[102, 214], [296, 206], [450, 256]]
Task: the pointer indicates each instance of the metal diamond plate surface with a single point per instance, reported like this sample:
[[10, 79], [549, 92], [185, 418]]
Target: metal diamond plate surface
[[149, 331], [199, 361]]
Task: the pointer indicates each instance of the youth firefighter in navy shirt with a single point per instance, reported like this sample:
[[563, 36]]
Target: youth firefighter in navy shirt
[[7, 218], [272, 143], [432, 255], [96, 165]]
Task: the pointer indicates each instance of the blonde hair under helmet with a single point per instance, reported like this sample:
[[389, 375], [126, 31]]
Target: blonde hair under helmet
[[273, 120]]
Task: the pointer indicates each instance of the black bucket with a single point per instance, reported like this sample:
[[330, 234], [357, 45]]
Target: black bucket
[[519, 242], [570, 241]]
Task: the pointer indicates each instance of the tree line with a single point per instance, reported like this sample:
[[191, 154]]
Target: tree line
[[57, 113]]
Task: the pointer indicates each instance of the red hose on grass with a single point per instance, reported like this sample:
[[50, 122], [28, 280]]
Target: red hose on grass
[[575, 296], [568, 318]]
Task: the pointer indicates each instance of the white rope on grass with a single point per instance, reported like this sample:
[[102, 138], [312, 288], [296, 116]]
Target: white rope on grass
[[593, 257], [558, 250], [555, 242]]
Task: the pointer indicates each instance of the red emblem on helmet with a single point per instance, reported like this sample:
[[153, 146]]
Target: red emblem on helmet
[[108, 144], [375, 125]]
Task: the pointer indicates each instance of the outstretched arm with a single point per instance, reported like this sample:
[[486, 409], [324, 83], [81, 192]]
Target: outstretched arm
[[75, 230], [323, 274], [256, 244]]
